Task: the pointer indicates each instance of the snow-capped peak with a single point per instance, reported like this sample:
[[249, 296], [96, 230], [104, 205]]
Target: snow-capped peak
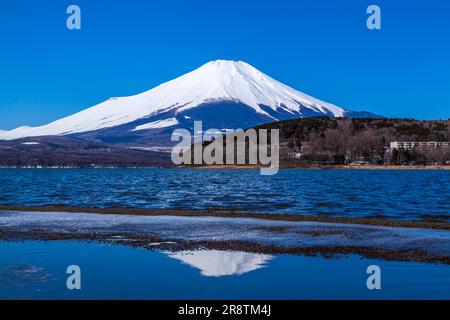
[[224, 80], [215, 81]]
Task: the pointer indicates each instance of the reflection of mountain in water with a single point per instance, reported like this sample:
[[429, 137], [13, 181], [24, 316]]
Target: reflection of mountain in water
[[216, 263]]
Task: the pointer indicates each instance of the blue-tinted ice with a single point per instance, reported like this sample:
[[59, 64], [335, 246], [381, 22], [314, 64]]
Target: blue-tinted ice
[[173, 228]]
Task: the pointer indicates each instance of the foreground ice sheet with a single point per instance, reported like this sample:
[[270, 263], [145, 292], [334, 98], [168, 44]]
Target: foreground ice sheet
[[281, 233]]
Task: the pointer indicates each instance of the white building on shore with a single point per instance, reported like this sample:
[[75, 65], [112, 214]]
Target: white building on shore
[[428, 145]]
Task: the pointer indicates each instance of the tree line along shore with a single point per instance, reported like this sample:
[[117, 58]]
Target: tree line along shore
[[342, 143], [318, 142]]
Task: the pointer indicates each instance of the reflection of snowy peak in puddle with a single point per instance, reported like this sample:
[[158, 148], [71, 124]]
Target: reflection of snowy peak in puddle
[[216, 263]]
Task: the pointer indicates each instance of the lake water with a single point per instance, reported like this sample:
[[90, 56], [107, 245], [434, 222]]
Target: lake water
[[37, 270], [401, 194]]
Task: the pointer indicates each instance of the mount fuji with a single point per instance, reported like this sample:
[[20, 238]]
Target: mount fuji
[[223, 94]]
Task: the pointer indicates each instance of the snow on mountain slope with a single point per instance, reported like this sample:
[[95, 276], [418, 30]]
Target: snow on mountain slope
[[215, 82], [158, 124]]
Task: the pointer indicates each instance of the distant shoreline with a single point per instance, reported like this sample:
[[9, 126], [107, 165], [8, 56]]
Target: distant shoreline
[[245, 167], [369, 167]]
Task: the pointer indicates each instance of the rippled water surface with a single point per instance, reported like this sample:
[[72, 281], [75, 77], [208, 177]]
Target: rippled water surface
[[408, 194]]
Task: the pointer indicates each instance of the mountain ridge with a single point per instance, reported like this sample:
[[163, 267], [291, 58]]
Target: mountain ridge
[[209, 93]]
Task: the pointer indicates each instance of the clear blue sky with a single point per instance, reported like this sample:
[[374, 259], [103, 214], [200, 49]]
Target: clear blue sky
[[319, 47]]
